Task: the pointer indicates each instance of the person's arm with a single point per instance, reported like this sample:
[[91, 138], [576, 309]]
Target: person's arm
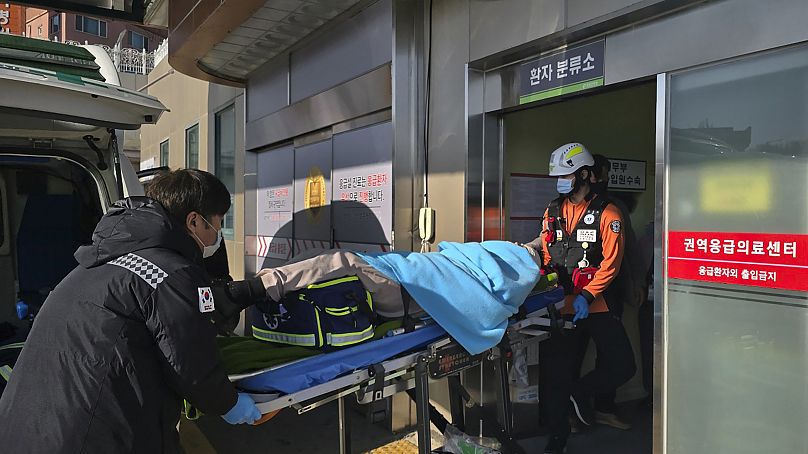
[[538, 243], [611, 234], [187, 343]]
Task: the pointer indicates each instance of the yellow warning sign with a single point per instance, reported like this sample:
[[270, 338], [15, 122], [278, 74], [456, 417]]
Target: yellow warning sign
[[314, 194]]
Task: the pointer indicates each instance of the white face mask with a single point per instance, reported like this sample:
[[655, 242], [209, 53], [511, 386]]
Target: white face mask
[[564, 186], [208, 251]]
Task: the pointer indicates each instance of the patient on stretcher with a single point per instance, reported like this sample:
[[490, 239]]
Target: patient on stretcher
[[470, 289]]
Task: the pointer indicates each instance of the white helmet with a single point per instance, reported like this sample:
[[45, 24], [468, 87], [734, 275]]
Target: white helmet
[[568, 158]]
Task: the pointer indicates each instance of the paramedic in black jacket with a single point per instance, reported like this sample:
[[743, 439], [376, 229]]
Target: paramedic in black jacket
[[125, 336]]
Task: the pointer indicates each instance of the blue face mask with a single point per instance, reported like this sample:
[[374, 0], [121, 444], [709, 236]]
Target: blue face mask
[[564, 186]]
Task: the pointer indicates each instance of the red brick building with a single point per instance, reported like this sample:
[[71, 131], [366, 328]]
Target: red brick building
[[61, 26], [12, 18]]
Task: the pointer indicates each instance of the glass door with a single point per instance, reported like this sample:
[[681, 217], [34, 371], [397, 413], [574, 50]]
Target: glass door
[[735, 293]]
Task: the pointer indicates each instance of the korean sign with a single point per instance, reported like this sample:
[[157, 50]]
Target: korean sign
[[274, 206], [363, 185], [571, 70], [275, 193], [756, 259], [626, 174]]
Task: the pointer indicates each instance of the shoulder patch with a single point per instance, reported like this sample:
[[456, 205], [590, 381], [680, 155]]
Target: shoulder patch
[[145, 269], [206, 303], [616, 226]]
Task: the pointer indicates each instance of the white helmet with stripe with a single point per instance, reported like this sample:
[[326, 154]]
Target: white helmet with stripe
[[568, 158]]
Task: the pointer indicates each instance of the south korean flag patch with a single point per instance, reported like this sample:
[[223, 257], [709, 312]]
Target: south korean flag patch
[[206, 300], [615, 226]]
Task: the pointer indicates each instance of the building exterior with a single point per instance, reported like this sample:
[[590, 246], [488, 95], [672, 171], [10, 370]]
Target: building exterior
[[203, 129], [12, 18], [462, 100], [61, 26], [139, 49]]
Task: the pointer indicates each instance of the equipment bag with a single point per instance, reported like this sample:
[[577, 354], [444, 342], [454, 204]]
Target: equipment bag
[[333, 313], [581, 277]]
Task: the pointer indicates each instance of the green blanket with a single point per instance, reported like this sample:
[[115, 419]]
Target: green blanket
[[246, 354]]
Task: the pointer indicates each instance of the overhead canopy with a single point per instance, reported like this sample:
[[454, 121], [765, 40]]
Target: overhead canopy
[[128, 10], [225, 41]]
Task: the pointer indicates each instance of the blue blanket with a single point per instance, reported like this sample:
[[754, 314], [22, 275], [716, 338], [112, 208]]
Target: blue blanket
[[470, 289]]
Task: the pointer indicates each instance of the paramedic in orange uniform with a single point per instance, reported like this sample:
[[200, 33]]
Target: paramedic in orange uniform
[[582, 240]]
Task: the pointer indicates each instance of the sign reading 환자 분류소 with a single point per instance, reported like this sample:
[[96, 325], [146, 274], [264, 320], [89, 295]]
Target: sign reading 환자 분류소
[[568, 71], [772, 260]]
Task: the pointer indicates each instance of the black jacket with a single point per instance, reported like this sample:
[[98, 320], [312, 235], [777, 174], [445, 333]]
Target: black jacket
[[117, 345]]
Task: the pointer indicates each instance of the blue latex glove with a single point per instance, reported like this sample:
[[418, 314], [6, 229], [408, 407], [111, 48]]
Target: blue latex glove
[[581, 308], [244, 412]]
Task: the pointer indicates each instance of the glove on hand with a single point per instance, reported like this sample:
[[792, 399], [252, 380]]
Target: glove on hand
[[244, 412], [581, 308]]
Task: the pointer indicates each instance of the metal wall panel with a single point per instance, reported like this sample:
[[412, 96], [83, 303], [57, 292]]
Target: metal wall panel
[[497, 25], [361, 96], [660, 253], [493, 91], [250, 184], [268, 89], [408, 106], [275, 193], [714, 31], [579, 11], [447, 133], [363, 185], [492, 178], [474, 160], [351, 49]]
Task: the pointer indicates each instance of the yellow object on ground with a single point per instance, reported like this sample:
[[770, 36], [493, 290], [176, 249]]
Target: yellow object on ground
[[396, 447]]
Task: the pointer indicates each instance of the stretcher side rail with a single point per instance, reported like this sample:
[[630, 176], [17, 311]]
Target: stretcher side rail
[[403, 373]]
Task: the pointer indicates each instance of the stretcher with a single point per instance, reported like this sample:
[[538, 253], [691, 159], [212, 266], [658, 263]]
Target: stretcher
[[406, 362]]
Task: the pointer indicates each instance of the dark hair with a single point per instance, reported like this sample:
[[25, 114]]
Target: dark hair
[[601, 163], [580, 181], [183, 191]]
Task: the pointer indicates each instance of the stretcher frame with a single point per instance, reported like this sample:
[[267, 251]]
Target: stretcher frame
[[411, 373]]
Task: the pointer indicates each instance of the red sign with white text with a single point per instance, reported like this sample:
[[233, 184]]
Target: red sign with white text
[[770, 260]]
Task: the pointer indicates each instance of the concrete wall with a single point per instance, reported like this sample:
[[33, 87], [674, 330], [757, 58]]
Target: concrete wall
[[191, 101]]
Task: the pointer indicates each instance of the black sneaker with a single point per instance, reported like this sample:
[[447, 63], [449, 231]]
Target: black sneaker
[[556, 445], [582, 409]]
